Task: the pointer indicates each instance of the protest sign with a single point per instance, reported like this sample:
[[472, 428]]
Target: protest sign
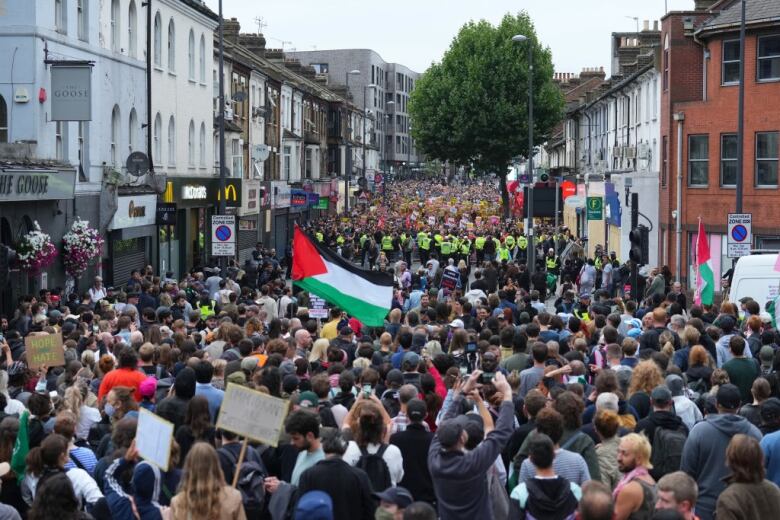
[[318, 308], [44, 349], [153, 439], [252, 414]]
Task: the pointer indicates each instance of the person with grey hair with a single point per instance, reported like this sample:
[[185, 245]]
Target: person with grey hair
[[348, 486], [677, 324], [405, 394]]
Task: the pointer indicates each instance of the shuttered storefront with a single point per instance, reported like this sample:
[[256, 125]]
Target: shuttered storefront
[[127, 255]]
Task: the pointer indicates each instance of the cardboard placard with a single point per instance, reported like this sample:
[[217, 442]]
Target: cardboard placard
[[153, 439], [44, 349], [252, 414]]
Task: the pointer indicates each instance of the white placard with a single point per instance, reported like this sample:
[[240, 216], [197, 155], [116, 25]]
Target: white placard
[[223, 235], [252, 414], [318, 308], [739, 237], [153, 439]]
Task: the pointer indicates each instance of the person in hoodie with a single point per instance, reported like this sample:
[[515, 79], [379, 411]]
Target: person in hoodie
[[459, 477], [545, 495], [703, 456], [141, 502], [662, 416], [683, 407]]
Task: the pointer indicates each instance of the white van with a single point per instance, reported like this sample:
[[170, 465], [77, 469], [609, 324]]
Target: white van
[[755, 276]]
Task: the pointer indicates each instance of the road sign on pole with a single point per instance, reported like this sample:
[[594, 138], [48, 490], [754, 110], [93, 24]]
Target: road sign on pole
[[595, 208], [740, 234], [223, 235]]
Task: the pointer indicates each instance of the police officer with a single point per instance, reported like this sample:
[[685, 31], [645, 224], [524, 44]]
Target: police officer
[[522, 248], [552, 262], [424, 248], [479, 247]]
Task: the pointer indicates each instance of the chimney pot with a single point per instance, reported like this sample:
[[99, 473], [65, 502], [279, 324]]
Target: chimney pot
[[655, 25], [646, 25]]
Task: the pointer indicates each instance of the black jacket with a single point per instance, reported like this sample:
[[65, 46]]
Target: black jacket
[[348, 487], [414, 443]]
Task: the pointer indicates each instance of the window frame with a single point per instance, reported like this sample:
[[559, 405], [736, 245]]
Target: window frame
[[82, 20], [191, 144], [759, 58], [723, 62], [172, 141], [157, 159], [728, 160], [157, 28], [691, 161], [775, 159], [191, 56], [115, 17], [132, 30], [115, 136], [61, 16], [132, 128], [171, 46]]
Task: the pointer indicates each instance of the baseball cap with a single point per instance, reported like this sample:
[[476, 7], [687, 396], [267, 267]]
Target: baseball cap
[[395, 376], [634, 333], [148, 387], [457, 324], [399, 496], [411, 358], [765, 317], [416, 410], [314, 505], [675, 384], [449, 431], [728, 397], [308, 399], [661, 395]]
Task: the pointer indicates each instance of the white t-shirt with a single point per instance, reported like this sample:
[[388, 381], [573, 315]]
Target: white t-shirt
[[87, 417], [392, 457]]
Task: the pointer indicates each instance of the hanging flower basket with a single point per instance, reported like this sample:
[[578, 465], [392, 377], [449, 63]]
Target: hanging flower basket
[[35, 251], [80, 246]]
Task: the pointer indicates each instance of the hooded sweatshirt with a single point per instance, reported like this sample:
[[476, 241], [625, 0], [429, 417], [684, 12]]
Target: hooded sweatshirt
[[704, 456], [547, 498], [145, 486]]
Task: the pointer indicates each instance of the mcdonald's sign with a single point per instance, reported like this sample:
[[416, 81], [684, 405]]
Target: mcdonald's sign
[[201, 191]]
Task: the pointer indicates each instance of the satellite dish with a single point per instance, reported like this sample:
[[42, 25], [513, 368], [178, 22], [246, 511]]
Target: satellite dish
[[260, 152], [137, 164]]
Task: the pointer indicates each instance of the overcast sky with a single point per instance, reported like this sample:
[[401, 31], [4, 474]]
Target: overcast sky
[[417, 32]]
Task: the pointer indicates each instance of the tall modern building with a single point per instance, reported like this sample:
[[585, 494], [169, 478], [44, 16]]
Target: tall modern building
[[383, 88]]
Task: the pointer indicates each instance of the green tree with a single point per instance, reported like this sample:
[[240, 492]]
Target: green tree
[[472, 107]]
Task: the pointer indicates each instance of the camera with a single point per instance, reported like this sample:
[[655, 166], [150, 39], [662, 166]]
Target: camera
[[471, 348], [486, 377]]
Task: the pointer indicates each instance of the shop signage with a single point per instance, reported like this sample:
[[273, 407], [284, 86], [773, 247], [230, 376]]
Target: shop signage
[[32, 185], [298, 198], [314, 199], [71, 92], [166, 213], [281, 194], [247, 225], [595, 208], [134, 211], [324, 203], [194, 190]]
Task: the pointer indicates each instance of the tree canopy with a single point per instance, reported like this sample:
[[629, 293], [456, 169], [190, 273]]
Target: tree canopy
[[472, 107]]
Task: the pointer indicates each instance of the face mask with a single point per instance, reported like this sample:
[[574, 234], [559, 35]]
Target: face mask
[[383, 514], [109, 409]]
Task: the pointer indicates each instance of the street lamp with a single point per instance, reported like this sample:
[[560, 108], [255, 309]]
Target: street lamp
[[365, 114], [409, 149], [348, 168], [519, 38]]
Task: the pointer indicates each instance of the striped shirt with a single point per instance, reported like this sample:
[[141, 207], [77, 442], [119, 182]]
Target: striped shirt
[[567, 464]]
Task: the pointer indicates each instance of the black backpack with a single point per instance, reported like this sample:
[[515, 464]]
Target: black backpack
[[667, 450], [376, 468], [251, 480]]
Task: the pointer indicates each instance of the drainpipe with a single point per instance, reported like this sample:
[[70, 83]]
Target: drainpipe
[[680, 118]]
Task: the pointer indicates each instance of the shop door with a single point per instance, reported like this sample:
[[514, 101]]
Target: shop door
[[280, 235], [127, 255]]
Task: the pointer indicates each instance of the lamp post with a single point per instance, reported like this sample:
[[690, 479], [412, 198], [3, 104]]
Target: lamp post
[[409, 150], [222, 172], [348, 169], [365, 116], [519, 38]]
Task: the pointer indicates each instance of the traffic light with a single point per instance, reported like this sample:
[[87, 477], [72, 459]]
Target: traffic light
[[7, 255], [639, 237]]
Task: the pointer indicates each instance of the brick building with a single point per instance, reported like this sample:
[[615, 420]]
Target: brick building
[[699, 100]]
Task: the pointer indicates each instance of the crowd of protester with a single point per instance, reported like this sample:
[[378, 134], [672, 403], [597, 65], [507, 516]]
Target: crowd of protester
[[480, 400]]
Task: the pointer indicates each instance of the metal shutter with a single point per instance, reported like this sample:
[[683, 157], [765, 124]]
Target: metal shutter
[[129, 257]]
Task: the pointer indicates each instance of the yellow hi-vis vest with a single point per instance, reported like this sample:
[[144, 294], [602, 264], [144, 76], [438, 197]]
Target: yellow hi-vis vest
[[551, 263]]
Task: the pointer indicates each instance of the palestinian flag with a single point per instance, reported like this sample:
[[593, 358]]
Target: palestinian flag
[[705, 278], [366, 295]]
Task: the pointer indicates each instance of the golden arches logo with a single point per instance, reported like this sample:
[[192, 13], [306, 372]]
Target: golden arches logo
[[230, 193]]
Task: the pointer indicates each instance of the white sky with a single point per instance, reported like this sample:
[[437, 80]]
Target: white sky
[[417, 32]]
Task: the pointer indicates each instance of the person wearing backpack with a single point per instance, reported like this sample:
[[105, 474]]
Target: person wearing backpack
[[369, 451], [251, 474], [665, 431]]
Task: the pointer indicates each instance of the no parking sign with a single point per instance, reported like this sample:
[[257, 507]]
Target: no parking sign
[[740, 234], [223, 235]]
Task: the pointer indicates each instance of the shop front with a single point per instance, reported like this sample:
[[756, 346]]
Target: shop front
[[281, 229], [185, 244], [30, 194], [132, 237], [249, 219]]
